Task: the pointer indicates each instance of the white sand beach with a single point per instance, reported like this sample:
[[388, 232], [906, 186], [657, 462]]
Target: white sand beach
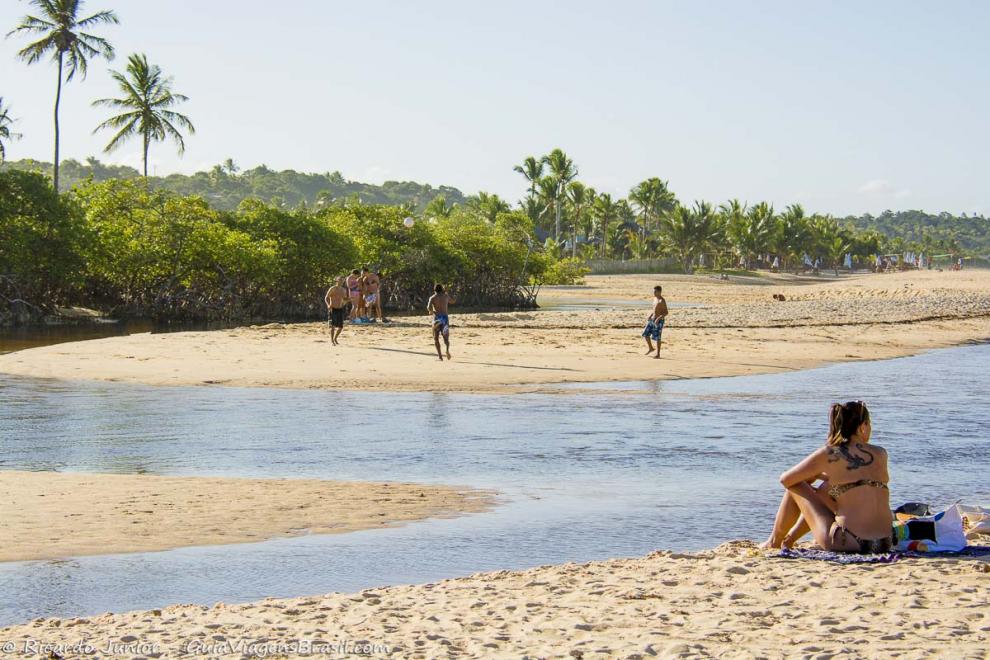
[[730, 602]]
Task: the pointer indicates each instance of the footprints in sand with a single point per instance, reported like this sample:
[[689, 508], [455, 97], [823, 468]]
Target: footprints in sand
[[663, 605]]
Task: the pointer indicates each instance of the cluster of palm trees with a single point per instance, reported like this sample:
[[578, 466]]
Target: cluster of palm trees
[[147, 101], [651, 222], [554, 194]]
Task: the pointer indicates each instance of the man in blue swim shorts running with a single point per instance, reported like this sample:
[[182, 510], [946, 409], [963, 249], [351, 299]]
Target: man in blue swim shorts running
[[654, 325], [441, 321]]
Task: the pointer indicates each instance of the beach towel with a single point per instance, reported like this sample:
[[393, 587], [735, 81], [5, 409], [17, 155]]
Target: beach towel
[[887, 558], [834, 557]]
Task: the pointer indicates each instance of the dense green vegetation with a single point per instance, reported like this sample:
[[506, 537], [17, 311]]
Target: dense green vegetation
[[130, 250]]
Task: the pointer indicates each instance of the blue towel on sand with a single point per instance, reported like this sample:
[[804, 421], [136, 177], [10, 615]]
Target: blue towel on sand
[[850, 558]]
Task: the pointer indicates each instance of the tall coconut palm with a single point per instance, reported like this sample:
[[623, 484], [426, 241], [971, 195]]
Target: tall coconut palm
[[62, 35], [605, 211], [147, 100], [563, 171], [532, 170], [653, 200], [546, 192], [579, 199], [6, 135]]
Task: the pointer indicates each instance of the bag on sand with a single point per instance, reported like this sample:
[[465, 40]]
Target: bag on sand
[[942, 532], [976, 520]]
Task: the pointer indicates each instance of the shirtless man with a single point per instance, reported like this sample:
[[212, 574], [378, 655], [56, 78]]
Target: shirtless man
[[441, 322], [354, 292], [372, 297], [335, 299], [654, 325]]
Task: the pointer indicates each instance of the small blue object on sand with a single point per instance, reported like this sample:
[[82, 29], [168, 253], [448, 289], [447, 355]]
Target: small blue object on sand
[[886, 558]]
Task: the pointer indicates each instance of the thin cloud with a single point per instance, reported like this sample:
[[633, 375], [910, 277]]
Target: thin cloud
[[883, 187]]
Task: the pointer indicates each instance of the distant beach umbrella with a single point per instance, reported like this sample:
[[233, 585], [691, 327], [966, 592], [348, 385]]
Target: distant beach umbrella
[[408, 222]]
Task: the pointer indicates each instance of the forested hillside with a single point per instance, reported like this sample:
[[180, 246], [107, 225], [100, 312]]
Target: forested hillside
[[970, 233], [225, 186]]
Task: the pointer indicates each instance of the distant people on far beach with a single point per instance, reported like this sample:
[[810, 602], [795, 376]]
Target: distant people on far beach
[[654, 324]]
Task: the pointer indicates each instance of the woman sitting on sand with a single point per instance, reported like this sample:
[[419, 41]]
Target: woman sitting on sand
[[850, 510]]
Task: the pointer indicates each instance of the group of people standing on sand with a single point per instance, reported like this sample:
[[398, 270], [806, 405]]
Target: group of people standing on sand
[[356, 295]]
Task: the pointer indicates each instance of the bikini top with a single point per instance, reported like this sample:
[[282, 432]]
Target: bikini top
[[839, 489]]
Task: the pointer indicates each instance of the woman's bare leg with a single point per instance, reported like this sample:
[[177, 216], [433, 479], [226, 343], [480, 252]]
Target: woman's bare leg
[[788, 515], [789, 525], [817, 515], [801, 527]]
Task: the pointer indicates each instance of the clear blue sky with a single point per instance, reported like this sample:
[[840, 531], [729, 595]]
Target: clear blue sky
[[843, 106]]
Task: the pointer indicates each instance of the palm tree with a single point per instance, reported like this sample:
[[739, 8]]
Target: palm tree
[[547, 195], [579, 199], [63, 37], [147, 100], [488, 205], [230, 167], [6, 135], [562, 171], [532, 169], [438, 208], [793, 235], [638, 244], [653, 199], [689, 232], [831, 241], [605, 211], [750, 230]]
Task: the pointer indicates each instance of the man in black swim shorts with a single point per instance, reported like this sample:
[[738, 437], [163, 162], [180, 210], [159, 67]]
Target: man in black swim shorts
[[336, 299]]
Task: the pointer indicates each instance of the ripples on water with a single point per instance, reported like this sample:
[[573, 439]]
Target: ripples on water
[[620, 471]]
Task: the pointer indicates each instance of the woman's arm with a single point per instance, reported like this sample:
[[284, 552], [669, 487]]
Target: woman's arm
[[808, 470]]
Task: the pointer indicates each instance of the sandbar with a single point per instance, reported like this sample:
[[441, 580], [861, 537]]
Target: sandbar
[[731, 328], [52, 515]]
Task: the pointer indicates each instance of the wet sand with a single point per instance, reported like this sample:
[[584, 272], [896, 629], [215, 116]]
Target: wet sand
[[51, 515], [738, 329], [731, 602]]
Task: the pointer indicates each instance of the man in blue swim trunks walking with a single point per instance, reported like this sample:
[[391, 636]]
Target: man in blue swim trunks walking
[[654, 325], [441, 321]]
